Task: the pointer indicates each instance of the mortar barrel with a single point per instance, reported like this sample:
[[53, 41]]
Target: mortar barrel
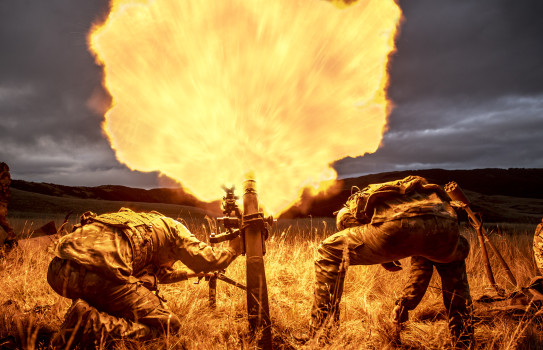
[[455, 193], [257, 289]]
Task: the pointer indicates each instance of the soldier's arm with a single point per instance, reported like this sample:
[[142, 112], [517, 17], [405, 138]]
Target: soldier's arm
[[169, 275], [200, 257]]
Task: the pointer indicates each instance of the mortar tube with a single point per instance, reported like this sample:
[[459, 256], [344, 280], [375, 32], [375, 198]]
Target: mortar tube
[[257, 290]]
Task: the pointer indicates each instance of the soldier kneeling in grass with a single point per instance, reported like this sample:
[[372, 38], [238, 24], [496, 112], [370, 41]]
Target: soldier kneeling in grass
[[111, 263], [387, 222]]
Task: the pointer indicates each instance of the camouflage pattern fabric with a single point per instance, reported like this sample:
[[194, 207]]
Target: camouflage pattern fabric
[[538, 246], [434, 238], [455, 291], [95, 263], [105, 249], [122, 309], [411, 196]]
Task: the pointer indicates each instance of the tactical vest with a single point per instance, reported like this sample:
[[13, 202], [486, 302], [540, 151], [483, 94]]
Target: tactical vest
[[137, 228]]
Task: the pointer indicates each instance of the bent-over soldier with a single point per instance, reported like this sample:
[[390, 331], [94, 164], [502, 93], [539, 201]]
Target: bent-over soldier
[[110, 264], [387, 222], [5, 194]]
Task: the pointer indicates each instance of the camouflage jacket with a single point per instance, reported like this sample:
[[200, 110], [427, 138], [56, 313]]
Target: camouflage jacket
[[107, 250]]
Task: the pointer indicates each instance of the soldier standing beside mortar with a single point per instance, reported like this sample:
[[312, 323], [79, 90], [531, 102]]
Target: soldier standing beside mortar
[[387, 222], [5, 194]]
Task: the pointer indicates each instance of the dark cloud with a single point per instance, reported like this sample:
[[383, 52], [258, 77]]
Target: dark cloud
[[467, 85], [480, 48], [466, 81], [458, 134], [47, 77]]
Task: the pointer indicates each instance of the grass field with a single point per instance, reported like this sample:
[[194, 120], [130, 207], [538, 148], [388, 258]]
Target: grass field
[[31, 311]]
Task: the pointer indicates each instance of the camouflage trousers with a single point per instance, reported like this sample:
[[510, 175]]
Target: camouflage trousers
[[455, 292], [125, 309], [431, 239], [4, 221], [538, 246]]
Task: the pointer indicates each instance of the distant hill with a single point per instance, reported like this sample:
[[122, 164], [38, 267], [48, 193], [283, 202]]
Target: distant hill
[[175, 196], [501, 195]]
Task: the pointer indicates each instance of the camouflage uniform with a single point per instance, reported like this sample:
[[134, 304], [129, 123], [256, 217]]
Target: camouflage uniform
[[109, 266], [455, 291], [538, 246], [420, 224], [5, 195]]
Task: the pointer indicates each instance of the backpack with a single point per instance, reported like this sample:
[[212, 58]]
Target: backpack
[[361, 203]]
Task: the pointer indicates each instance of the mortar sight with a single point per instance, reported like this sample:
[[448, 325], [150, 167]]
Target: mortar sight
[[228, 204]]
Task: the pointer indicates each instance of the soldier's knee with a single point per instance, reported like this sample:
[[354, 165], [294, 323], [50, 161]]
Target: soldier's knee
[[55, 277], [175, 323], [333, 245], [163, 320]]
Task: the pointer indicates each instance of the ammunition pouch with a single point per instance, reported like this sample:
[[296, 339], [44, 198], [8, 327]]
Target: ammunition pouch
[[136, 227]]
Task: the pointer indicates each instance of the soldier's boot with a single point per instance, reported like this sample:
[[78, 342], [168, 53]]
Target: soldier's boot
[[324, 322], [461, 329], [321, 334], [400, 315], [84, 325], [74, 326]]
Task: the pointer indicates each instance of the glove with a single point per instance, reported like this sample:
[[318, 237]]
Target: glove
[[392, 266], [236, 245]]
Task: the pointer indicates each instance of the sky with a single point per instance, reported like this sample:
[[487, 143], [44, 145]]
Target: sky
[[466, 82]]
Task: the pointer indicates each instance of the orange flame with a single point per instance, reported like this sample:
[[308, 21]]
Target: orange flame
[[205, 91]]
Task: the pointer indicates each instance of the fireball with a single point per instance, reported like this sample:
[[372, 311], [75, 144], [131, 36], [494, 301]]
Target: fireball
[[206, 91]]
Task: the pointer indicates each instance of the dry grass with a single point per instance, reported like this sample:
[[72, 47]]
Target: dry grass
[[31, 311]]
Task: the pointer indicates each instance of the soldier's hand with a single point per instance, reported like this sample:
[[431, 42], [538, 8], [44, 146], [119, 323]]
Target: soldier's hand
[[164, 273], [236, 245], [392, 266], [191, 274]]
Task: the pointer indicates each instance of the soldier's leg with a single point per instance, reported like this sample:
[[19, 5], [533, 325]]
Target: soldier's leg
[[328, 279], [420, 274], [458, 303], [121, 310], [367, 245], [84, 324], [359, 245], [138, 304]]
